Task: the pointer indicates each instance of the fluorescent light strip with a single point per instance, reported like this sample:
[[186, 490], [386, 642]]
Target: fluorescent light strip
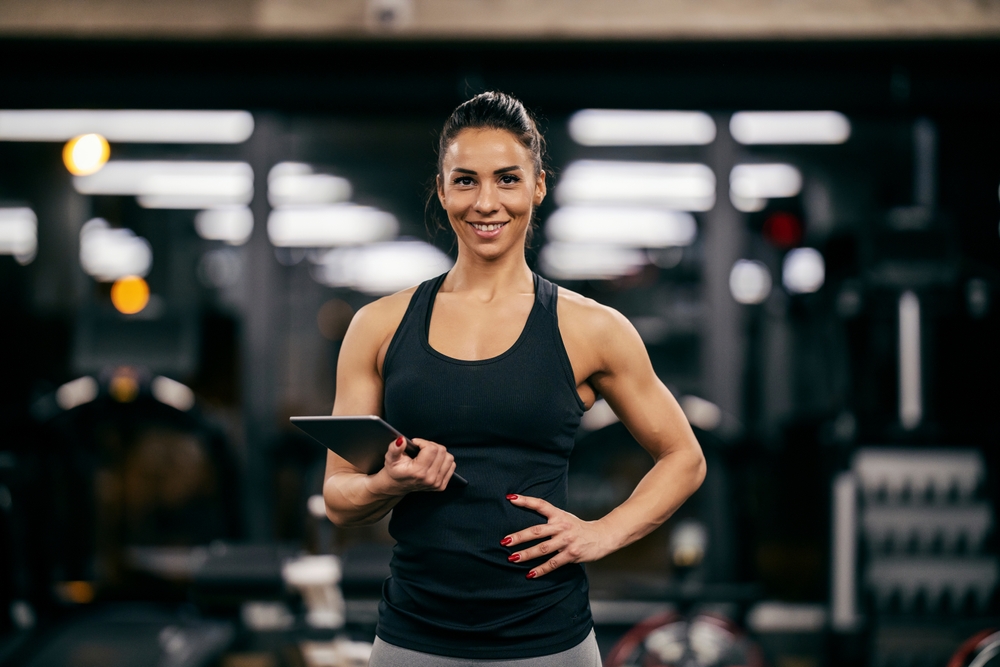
[[108, 254], [790, 127], [127, 126], [295, 184], [751, 185], [326, 226], [627, 127], [18, 233], [584, 261], [232, 224], [636, 227], [165, 184], [381, 268], [681, 186]]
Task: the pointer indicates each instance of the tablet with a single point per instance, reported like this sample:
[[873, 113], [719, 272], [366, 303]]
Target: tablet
[[362, 440]]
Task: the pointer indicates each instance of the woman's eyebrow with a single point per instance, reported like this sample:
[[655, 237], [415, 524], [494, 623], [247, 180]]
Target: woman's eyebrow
[[503, 170]]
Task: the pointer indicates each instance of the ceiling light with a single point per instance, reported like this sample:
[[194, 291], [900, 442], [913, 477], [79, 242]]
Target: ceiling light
[[579, 261], [790, 127], [108, 254], [803, 271], [749, 281], [627, 127], [751, 185], [127, 126], [231, 224], [181, 184], [86, 154], [325, 226], [681, 186], [18, 233], [295, 184], [129, 295], [381, 268], [636, 227]]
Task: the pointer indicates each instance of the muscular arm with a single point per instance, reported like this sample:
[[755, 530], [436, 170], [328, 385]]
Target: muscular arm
[[352, 497], [651, 414], [615, 364]]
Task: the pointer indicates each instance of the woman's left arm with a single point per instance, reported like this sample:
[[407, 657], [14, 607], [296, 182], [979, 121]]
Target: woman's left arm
[[624, 377]]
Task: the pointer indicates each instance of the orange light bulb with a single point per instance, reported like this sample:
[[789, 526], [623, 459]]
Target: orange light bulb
[[130, 294]]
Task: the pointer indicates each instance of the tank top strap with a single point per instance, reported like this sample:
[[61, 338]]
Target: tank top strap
[[546, 293], [415, 321]]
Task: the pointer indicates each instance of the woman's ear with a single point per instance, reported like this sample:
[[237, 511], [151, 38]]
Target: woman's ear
[[439, 185], [541, 189]]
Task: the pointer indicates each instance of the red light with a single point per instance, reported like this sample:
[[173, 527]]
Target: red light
[[783, 230]]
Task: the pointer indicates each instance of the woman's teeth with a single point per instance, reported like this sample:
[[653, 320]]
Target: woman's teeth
[[490, 227]]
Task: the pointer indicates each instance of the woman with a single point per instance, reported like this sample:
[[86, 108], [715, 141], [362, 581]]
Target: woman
[[493, 366]]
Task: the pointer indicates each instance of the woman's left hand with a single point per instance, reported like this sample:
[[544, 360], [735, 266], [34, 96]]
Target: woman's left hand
[[571, 540]]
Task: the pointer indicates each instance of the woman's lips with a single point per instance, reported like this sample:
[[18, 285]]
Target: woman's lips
[[488, 230]]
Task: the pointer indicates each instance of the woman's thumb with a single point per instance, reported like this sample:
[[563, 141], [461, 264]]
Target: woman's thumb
[[397, 448]]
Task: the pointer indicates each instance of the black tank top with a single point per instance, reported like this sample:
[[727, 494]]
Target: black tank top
[[510, 422]]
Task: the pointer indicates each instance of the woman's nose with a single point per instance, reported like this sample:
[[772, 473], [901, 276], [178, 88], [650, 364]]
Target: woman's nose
[[488, 200]]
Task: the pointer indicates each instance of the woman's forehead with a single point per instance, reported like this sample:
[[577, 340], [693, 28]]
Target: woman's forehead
[[487, 147]]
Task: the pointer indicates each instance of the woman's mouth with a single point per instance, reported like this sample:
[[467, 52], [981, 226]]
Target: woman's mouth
[[487, 229]]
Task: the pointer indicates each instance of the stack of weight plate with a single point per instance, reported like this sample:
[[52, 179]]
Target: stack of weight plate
[[925, 526]]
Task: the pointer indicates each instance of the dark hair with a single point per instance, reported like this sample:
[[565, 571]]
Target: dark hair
[[495, 111]]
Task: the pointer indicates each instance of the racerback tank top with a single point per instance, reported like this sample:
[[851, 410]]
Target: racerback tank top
[[510, 422]]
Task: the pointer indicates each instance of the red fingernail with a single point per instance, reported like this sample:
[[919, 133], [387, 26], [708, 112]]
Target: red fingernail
[[513, 558], [399, 441], [507, 540], [511, 496], [530, 575]]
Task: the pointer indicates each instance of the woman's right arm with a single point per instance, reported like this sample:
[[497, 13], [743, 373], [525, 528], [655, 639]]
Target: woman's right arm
[[352, 497]]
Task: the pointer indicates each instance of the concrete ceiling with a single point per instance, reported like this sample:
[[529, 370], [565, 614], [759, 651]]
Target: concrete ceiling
[[501, 19]]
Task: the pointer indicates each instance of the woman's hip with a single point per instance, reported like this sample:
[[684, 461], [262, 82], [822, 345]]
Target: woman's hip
[[584, 654]]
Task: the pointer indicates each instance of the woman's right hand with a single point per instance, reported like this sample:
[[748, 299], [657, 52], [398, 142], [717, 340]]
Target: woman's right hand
[[429, 471]]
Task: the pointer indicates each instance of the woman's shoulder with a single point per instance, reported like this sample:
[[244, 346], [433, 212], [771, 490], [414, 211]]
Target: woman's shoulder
[[384, 314], [577, 312]]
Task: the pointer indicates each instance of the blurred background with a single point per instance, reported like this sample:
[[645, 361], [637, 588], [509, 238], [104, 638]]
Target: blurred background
[[797, 204]]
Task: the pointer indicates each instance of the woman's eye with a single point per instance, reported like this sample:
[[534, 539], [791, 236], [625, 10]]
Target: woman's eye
[[509, 179], [463, 180]]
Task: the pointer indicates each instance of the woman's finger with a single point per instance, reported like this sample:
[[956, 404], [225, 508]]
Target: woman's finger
[[440, 469], [530, 533], [543, 507], [548, 566], [429, 459], [547, 548], [447, 476]]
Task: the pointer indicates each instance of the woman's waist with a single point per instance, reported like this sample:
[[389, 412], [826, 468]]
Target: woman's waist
[[475, 592], [457, 535]]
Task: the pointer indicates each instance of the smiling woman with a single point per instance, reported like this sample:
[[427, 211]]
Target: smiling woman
[[492, 366], [497, 113]]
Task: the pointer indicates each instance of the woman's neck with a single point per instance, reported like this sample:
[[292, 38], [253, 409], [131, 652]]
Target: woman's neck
[[508, 274]]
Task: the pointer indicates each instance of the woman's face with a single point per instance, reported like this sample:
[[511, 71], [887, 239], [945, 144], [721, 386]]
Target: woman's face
[[488, 188]]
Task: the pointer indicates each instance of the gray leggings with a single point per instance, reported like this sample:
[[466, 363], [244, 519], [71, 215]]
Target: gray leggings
[[584, 654]]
